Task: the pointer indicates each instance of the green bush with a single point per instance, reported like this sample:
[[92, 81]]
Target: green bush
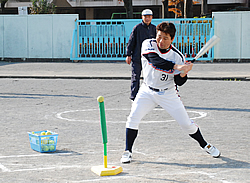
[[42, 7]]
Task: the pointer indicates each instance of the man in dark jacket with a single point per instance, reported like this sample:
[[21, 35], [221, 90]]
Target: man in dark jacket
[[140, 32]]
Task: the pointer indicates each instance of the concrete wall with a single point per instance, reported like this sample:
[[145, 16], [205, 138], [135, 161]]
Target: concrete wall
[[84, 3], [225, 1], [234, 30], [50, 36], [36, 36]]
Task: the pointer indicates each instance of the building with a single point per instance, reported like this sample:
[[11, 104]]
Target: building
[[107, 9]]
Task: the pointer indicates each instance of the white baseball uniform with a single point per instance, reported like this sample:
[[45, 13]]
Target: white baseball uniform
[[159, 86]]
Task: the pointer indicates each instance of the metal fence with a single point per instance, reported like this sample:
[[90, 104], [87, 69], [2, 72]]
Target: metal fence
[[107, 39]]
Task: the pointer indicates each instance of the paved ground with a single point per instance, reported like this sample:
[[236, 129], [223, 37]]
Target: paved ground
[[162, 152], [113, 70]]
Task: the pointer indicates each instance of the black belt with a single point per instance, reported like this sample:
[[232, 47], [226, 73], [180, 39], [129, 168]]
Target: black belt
[[157, 90]]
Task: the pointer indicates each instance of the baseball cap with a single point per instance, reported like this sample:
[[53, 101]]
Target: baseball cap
[[146, 12]]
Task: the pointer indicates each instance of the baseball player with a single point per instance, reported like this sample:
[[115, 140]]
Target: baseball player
[[163, 66]]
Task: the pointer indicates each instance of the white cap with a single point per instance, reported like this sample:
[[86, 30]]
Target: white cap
[[146, 12]]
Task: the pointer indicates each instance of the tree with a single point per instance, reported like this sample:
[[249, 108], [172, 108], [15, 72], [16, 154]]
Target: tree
[[129, 8], [164, 8], [203, 7], [42, 7], [3, 2], [189, 7]]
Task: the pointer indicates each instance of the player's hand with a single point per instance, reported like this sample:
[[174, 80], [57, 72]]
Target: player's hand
[[128, 60], [184, 68], [188, 68]]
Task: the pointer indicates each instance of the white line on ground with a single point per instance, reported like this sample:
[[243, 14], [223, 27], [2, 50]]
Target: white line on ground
[[4, 169], [31, 155], [59, 116], [104, 179], [210, 175], [139, 152], [47, 168]]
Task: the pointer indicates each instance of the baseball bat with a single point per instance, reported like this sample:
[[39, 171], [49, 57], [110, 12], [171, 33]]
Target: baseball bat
[[215, 39]]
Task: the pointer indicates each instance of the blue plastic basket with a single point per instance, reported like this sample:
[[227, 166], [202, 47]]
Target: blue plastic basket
[[43, 143]]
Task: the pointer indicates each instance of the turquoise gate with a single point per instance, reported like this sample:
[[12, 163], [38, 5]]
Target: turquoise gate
[[107, 39]]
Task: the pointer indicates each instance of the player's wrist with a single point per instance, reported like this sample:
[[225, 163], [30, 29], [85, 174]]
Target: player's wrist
[[176, 67], [183, 75]]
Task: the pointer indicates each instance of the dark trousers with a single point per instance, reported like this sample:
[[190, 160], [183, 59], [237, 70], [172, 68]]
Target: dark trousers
[[135, 78]]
